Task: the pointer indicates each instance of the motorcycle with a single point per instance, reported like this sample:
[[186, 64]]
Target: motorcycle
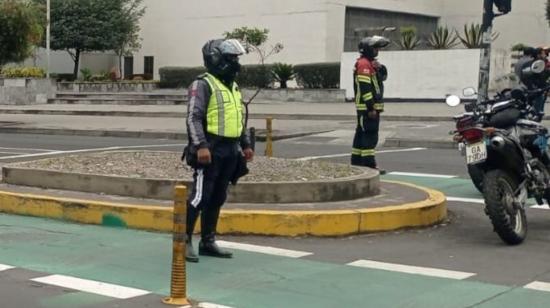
[[507, 154]]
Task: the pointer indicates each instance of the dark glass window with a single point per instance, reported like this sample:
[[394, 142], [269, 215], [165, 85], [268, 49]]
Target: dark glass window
[[149, 66], [360, 23]]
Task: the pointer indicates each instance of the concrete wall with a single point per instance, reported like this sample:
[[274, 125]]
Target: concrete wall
[[431, 74], [21, 91], [62, 63]]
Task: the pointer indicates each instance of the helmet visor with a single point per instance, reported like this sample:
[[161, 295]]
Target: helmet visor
[[232, 47]]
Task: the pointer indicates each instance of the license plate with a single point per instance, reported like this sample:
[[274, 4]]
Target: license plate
[[476, 153]]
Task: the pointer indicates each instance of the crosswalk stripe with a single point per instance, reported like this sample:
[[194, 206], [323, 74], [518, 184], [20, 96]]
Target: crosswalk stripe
[[91, 286], [425, 271], [4, 267], [538, 285], [264, 249], [427, 175]]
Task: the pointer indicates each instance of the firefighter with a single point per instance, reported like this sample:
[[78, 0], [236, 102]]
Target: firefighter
[[369, 75], [218, 143]]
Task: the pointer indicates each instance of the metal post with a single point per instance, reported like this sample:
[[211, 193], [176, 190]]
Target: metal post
[[253, 138], [485, 59], [48, 38], [178, 290], [269, 137]]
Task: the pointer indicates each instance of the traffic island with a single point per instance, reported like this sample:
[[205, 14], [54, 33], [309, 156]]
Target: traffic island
[[322, 199]]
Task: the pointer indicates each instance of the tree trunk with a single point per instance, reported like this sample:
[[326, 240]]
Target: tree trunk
[[120, 66], [283, 84], [76, 63]]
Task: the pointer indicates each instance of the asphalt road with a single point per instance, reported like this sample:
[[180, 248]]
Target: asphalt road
[[465, 243]]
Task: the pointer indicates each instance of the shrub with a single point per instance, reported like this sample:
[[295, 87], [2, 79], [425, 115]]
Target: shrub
[[443, 38], [23, 72], [251, 76], [255, 76], [86, 74], [318, 75], [409, 39], [179, 77], [283, 73], [473, 37]]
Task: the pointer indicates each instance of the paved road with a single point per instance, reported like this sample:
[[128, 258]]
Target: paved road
[[481, 270]]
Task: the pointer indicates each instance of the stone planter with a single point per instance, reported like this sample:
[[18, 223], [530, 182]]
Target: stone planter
[[298, 95], [112, 87], [26, 91]]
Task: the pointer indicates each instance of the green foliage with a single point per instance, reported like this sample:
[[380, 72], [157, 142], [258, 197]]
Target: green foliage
[[251, 37], [251, 76], [443, 38], [23, 72], [127, 40], [20, 30], [179, 77], [318, 75], [255, 76], [473, 37], [409, 39], [519, 47], [283, 73], [86, 74]]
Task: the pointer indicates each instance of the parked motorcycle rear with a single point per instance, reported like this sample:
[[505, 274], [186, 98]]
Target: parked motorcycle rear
[[507, 158]]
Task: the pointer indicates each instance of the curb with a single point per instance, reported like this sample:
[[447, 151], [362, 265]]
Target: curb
[[260, 136], [431, 144], [276, 116], [428, 212]]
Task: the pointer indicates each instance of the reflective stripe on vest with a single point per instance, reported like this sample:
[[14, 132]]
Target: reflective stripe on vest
[[224, 116]]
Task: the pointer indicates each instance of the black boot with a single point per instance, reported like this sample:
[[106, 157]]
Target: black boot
[[192, 216], [207, 245]]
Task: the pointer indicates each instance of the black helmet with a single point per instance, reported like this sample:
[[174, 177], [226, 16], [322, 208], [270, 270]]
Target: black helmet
[[221, 57], [369, 46]]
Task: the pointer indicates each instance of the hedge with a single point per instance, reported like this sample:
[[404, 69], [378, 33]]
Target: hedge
[[312, 76], [23, 72], [318, 75]]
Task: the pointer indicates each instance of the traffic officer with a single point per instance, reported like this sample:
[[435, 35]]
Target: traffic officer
[[368, 77], [218, 143]]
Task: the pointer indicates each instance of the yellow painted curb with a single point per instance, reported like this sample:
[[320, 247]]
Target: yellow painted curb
[[282, 223]]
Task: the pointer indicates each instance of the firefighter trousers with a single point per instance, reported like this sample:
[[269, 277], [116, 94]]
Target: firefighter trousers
[[365, 140]]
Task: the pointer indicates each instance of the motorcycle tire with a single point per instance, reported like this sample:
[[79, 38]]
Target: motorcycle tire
[[509, 222], [476, 174]]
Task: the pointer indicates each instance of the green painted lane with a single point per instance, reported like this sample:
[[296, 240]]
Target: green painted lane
[[455, 187], [142, 260]]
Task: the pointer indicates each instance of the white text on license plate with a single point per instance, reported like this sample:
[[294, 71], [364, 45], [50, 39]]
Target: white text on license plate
[[476, 153]]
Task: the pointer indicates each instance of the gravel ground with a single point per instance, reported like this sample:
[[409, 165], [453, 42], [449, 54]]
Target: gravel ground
[[167, 165]]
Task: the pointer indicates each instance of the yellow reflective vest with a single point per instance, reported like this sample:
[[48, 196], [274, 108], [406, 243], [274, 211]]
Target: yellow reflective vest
[[225, 112]]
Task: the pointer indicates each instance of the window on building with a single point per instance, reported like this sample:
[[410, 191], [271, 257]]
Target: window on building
[[149, 67], [360, 23], [128, 67]]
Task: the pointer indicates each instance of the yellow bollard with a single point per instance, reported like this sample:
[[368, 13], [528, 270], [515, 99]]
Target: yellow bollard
[[269, 137], [178, 290]]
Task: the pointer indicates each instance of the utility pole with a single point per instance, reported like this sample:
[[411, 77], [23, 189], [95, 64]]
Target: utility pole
[[504, 6], [48, 38]]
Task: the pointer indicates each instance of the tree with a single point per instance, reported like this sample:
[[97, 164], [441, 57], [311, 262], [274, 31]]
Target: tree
[[128, 40], [254, 40], [84, 25], [20, 30]]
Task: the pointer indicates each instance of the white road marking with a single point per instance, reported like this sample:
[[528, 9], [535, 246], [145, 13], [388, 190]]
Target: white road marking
[[427, 175], [425, 271], [264, 249], [4, 267], [348, 154], [27, 149], [92, 150], [90, 286], [467, 200], [210, 305], [541, 207], [538, 285]]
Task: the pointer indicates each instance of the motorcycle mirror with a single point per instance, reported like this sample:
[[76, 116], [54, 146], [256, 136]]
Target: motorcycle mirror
[[453, 100], [538, 66], [469, 92]]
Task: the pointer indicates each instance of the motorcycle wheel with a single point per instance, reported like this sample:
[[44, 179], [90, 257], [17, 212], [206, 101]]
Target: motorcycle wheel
[[509, 220], [476, 174]]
